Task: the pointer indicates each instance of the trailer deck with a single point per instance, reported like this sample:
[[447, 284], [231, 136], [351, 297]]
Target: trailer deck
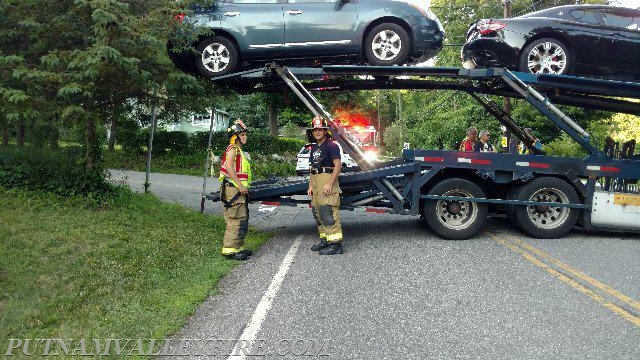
[[545, 195]]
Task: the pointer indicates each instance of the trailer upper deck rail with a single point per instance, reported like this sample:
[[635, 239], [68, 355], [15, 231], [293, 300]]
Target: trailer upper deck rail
[[591, 93]]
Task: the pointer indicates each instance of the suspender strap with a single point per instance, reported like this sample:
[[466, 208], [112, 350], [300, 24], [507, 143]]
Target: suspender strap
[[223, 193]]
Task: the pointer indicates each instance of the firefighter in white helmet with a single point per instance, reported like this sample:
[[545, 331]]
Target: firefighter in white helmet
[[324, 190], [235, 178]]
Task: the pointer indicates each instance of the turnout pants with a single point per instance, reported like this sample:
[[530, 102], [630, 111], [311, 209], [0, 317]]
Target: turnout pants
[[236, 218], [325, 209]]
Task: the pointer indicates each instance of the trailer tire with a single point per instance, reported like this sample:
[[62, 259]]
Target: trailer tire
[[455, 220], [547, 222]]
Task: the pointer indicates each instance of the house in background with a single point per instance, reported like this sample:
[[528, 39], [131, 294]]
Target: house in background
[[201, 122]]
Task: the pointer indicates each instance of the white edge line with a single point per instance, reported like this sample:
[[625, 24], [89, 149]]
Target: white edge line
[[253, 327]]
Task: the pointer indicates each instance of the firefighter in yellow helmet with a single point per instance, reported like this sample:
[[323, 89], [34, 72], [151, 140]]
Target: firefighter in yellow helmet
[[325, 166], [235, 177]]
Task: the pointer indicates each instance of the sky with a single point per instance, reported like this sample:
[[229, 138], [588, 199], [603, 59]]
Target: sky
[[627, 3]]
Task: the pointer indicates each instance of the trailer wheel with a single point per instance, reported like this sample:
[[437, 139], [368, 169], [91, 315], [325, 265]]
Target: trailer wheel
[[453, 219], [542, 221]]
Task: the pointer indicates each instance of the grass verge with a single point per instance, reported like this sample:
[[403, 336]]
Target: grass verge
[[127, 267]]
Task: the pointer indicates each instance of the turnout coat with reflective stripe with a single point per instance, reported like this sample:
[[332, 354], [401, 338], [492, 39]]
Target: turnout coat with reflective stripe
[[242, 167]]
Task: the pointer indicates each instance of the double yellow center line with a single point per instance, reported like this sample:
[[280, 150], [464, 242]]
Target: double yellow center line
[[573, 277]]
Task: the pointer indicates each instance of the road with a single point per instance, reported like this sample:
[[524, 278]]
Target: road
[[399, 292]]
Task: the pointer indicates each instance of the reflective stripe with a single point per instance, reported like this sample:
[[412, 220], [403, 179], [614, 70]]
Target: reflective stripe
[[323, 236], [271, 203], [231, 251], [603, 168], [241, 176], [533, 165], [626, 199], [334, 237], [242, 167], [481, 161], [474, 161], [429, 159]]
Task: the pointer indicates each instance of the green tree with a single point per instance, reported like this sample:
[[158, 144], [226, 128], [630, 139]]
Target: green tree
[[85, 61], [626, 127]]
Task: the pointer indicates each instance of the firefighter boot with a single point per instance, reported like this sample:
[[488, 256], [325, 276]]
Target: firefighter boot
[[242, 255], [247, 252], [319, 246], [332, 249]]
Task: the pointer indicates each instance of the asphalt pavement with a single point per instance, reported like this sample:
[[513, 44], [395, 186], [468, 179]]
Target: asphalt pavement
[[400, 292]]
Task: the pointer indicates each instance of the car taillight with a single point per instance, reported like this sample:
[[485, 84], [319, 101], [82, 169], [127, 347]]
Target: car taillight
[[180, 17], [489, 26]]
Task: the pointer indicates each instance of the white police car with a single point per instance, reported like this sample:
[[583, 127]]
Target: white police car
[[302, 166]]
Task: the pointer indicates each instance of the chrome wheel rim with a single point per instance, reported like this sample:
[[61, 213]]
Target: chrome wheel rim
[[548, 217], [216, 57], [547, 58], [386, 45], [454, 214]]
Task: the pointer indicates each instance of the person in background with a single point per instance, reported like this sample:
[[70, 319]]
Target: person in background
[[513, 145], [468, 142], [483, 144], [522, 149]]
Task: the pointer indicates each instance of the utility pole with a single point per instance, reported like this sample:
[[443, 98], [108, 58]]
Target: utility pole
[[399, 110], [378, 99], [151, 132], [207, 162]]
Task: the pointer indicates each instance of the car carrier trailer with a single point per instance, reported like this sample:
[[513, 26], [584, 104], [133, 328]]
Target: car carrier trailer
[[545, 196]]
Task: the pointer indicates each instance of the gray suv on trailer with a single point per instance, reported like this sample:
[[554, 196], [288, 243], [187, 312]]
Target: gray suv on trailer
[[380, 32]]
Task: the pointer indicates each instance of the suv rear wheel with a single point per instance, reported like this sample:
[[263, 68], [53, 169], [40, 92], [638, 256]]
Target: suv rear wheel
[[387, 44]]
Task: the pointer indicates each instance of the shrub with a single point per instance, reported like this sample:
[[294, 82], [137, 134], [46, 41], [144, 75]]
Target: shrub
[[58, 171], [289, 145], [393, 140], [44, 135], [564, 146], [198, 141], [260, 142], [169, 141], [280, 169], [130, 136], [177, 142]]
